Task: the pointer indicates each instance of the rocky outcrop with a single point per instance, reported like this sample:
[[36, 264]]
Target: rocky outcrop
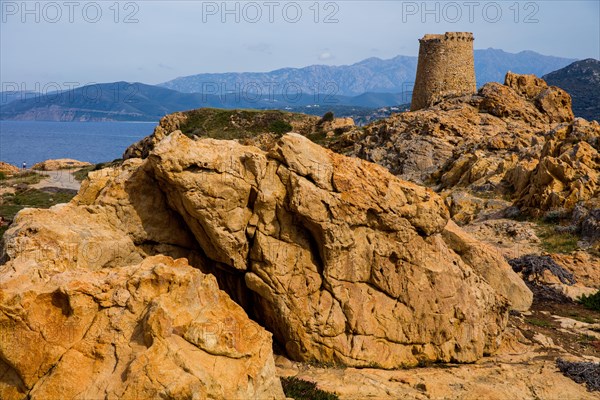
[[550, 100], [8, 169], [347, 263], [518, 141], [260, 128], [61, 163], [167, 124], [470, 141], [157, 329], [522, 376], [512, 239], [567, 172], [340, 260], [488, 263]]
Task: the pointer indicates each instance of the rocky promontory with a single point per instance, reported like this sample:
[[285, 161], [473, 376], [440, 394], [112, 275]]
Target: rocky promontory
[[180, 271]]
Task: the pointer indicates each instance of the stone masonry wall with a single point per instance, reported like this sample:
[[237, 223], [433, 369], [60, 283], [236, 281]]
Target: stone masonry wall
[[445, 69]]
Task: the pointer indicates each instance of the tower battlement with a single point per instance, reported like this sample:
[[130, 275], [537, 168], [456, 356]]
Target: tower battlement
[[448, 36], [445, 69]]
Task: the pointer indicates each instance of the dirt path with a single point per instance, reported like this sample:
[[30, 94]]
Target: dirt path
[[62, 179]]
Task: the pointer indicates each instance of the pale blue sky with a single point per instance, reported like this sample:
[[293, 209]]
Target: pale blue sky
[[87, 41]]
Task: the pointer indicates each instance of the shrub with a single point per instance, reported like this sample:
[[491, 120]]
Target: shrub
[[328, 116], [302, 390], [280, 127], [592, 301]]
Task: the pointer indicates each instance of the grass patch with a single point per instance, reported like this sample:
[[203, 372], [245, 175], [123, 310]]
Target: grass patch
[[319, 137], [582, 318], [2, 176], [585, 338], [302, 390], [82, 174], [556, 242], [25, 177], [538, 322], [12, 203], [238, 124], [591, 302]]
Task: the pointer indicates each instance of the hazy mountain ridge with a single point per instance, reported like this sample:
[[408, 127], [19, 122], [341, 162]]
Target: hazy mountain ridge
[[582, 81], [122, 101], [313, 89], [395, 75]]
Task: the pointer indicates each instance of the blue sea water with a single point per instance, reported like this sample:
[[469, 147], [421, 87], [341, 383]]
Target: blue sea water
[[35, 141]]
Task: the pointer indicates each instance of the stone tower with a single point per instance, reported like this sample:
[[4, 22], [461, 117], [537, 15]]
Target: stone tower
[[445, 69]]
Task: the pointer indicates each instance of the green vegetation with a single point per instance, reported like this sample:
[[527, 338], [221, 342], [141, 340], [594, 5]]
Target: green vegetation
[[592, 301], [538, 322], [82, 173], [319, 137], [12, 203], [280, 127], [582, 318], [31, 198], [556, 242], [328, 116], [25, 177], [302, 390], [2, 176], [238, 124]]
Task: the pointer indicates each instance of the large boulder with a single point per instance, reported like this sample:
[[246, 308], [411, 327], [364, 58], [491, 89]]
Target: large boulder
[[8, 169], [58, 164], [158, 329], [347, 263], [339, 259], [568, 170]]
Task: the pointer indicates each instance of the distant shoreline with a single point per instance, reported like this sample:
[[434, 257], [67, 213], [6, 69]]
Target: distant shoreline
[[96, 121]]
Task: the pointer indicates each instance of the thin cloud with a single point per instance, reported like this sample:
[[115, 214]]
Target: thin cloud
[[325, 56], [259, 48]]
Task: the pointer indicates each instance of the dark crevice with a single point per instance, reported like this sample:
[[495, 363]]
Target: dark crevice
[[252, 198], [61, 300]]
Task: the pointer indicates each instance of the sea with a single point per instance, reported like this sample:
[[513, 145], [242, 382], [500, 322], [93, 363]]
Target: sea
[[95, 142]]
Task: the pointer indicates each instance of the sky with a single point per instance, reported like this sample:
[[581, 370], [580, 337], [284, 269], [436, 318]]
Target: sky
[[68, 43]]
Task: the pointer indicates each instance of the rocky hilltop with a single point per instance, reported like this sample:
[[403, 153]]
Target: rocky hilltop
[[176, 273], [518, 142], [582, 80]]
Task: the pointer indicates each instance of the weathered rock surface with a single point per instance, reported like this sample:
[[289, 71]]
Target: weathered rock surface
[[568, 170], [341, 260], [489, 264], [523, 377], [584, 266], [157, 329], [518, 140], [8, 169], [348, 263], [61, 163], [512, 239], [466, 208], [62, 238]]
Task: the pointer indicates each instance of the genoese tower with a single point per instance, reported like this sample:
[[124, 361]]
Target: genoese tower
[[445, 69]]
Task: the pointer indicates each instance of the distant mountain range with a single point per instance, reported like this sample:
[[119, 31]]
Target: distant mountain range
[[122, 101], [582, 81], [357, 90], [374, 75]]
